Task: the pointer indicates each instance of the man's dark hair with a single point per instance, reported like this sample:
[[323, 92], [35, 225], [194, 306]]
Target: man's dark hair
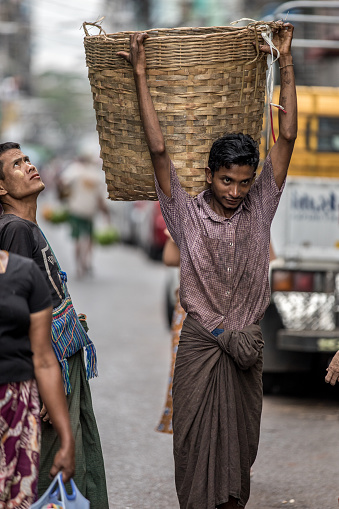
[[9, 145], [230, 149]]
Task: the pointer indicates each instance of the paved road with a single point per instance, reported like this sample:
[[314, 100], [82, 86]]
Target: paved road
[[298, 460]]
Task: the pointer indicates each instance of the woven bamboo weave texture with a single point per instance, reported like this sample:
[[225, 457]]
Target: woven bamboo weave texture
[[204, 82]]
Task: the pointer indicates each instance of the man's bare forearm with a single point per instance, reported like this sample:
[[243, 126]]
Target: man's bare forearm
[[281, 151], [288, 124], [149, 118], [153, 133]]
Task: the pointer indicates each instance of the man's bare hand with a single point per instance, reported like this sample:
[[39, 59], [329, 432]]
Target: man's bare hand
[[136, 56], [333, 370], [64, 461], [44, 415], [282, 40]]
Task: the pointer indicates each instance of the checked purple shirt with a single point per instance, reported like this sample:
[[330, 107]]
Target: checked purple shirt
[[223, 262]]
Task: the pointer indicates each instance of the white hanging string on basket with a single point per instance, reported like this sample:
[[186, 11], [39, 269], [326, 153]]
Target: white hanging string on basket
[[267, 35], [268, 38]]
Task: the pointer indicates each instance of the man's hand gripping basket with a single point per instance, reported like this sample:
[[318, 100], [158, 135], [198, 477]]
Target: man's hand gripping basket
[[204, 82]]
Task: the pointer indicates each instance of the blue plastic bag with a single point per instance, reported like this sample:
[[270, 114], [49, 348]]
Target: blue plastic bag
[[56, 494]]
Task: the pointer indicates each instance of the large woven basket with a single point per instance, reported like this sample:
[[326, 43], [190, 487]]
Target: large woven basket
[[204, 82]]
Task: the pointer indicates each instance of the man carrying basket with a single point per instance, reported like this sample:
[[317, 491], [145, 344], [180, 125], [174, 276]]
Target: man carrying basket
[[223, 235]]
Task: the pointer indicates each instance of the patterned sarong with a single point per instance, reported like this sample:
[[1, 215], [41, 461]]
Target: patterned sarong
[[19, 444], [89, 463]]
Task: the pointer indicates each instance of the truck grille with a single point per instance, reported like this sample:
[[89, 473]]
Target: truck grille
[[306, 310]]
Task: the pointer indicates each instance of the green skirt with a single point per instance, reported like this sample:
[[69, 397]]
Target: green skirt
[[89, 463]]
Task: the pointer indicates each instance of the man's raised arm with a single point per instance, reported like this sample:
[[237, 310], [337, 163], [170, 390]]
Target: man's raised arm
[[154, 137], [281, 152]]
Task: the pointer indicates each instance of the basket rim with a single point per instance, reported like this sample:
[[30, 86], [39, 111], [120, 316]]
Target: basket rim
[[223, 30]]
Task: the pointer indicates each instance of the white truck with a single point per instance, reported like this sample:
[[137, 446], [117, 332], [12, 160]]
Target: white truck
[[301, 325]]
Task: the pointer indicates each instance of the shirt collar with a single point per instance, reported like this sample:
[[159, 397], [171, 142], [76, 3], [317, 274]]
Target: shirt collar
[[203, 200]]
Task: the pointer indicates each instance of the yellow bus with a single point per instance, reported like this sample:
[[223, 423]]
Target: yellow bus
[[316, 152]]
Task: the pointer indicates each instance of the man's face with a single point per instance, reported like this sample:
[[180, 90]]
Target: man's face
[[230, 186], [21, 176]]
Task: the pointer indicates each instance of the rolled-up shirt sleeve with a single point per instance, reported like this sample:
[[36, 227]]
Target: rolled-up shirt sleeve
[[266, 192], [173, 208]]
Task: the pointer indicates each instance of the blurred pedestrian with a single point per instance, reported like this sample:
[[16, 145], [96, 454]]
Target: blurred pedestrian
[[28, 364], [223, 235], [83, 190], [171, 258], [20, 186]]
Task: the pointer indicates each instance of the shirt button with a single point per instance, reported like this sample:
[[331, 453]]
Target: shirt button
[[229, 269], [231, 243], [229, 224], [227, 292]]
